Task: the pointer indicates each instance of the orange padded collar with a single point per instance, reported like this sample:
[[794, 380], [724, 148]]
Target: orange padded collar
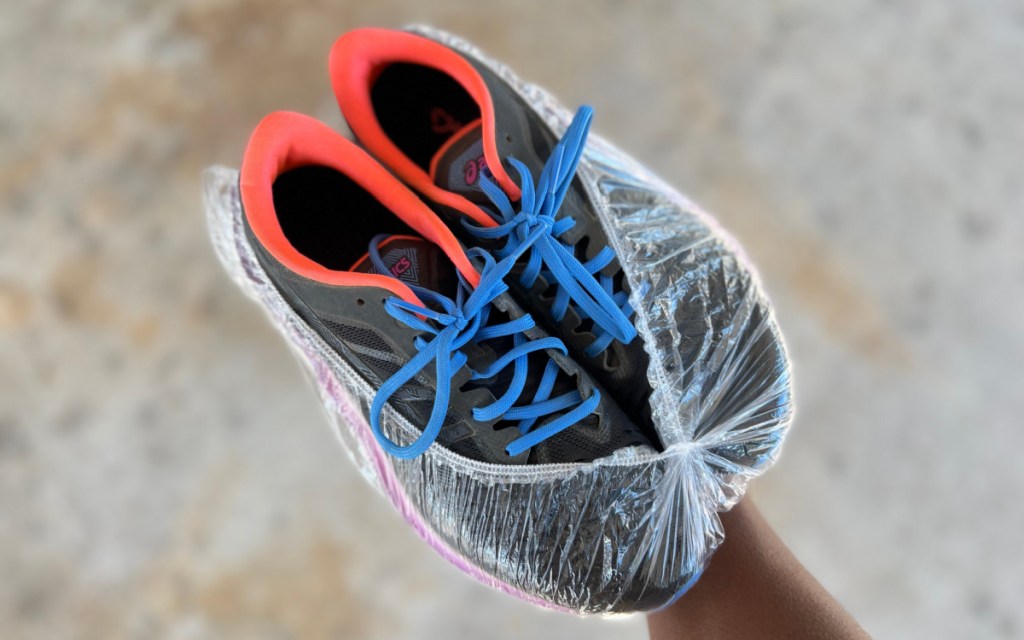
[[284, 141], [356, 61]]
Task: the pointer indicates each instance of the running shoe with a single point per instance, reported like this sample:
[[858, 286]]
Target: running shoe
[[386, 285], [488, 162]]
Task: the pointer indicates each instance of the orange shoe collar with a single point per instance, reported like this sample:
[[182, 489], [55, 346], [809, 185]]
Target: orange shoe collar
[[283, 141], [356, 61]]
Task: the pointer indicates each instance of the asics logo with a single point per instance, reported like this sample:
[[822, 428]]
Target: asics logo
[[473, 168], [401, 266], [404, 264]]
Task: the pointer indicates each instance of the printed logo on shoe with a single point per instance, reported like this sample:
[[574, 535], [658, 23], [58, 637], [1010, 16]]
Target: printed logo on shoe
[[404, 264], [472, 170], [443, 122]]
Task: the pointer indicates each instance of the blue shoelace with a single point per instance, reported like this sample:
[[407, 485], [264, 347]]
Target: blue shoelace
[[456, 324], [535, 228]]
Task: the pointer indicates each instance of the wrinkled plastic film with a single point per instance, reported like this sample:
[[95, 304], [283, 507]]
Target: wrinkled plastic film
[[623, 533]]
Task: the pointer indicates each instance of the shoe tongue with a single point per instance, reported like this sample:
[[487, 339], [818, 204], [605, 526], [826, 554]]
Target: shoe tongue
[[414, 261], [459, 163]]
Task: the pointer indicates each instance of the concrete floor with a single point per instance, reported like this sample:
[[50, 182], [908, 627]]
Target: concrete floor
[[165, 471]]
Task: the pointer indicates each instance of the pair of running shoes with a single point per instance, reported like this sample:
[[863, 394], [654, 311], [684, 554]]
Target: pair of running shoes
[[398, 255], [459, 284]]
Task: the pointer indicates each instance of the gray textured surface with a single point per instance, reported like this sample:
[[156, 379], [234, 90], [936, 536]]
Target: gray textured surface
[[165, 471]]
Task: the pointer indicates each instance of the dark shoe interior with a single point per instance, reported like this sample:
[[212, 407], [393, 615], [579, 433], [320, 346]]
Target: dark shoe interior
[[419, 108], [328, 217]]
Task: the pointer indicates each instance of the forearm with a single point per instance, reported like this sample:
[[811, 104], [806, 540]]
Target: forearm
[[754, 588]]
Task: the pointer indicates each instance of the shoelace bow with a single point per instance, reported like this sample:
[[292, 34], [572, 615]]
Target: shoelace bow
[[463, 321], [535, 228]]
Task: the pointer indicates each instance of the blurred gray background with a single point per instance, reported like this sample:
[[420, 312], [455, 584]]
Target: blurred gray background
[[165, 471]]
